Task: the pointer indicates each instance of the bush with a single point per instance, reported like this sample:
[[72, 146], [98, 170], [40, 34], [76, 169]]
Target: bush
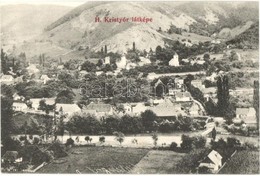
[[22, 138], [36, 140], [199, 142], [87, 138], [69, 142], [101, 139], [186, 142], [173, 146], [233, 142]]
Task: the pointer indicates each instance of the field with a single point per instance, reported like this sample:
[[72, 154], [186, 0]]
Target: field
[[158, 162], [97, 160], [243, 162]]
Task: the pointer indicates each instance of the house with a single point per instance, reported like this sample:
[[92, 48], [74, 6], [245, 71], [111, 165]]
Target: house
[[194, 110], [212, 77], [82, 73], [151, 76], [60, 67], [19, 106], [17, 97], [167, 110], [121, 64], [130, 65], [32, 69], [139, 108], [7, 79], [98, 109], [44, 78], [248, 115], [174, 61], [183, 96], [99, 73], [144, 61], [36, 102], [107, 60], [198, 84], [18, 79], [213, 161], [67, 109], [10, 157]]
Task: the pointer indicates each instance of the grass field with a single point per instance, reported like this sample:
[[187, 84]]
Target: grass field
[[158, 162], [243, 162], [97, 160]]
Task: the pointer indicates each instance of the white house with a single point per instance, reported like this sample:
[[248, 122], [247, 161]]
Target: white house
[[121, 64], [144, 61], [67, 109], [107, 60], [183, 96], [248, 115], [36, 102], [98, 109], [139, 108], [19, 106], [198, 84], [7, 79], [174, 61], [213, 161], [32, 69], [45, 78]]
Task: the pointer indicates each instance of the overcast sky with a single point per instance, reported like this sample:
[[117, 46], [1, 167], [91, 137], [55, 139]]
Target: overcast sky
[[56, 2]]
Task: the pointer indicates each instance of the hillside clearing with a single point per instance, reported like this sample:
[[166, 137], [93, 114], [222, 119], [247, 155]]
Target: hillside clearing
[[158, 162]]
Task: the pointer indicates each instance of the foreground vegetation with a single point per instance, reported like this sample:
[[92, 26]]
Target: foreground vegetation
[[97, 160]]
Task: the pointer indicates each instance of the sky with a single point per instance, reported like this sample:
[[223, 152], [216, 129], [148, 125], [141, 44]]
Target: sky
[[72, 3]]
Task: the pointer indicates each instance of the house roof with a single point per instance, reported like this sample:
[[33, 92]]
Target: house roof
[[19, 104], [183, 94], [48, 101], [10, 155], [99, 107], [166, 111], [7, 77], [215, 157], [68, 107]]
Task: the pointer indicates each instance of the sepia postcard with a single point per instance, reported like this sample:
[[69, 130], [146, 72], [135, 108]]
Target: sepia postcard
[[129, 87]]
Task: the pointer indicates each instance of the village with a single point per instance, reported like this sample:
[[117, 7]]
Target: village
[[165, 98], [130, 87]]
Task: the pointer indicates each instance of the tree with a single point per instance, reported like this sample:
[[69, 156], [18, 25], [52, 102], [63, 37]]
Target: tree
[[87, 138], [4, 62], [155, 139], [105, 49], [148, 119], [214, 133], [133, 46], [120, 137], [256, 101], [88, 66], [65, 96], [102, 139], [223, 104], [186, 142]]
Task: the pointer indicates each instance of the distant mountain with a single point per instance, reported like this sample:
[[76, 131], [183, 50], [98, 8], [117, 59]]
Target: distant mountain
[[77, 30], [24, 21]]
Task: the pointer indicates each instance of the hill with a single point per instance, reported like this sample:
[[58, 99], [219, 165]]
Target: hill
[[22, 22], [77, 30], [249, 38]]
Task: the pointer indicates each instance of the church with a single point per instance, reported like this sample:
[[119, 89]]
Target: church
[[174, 61]]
